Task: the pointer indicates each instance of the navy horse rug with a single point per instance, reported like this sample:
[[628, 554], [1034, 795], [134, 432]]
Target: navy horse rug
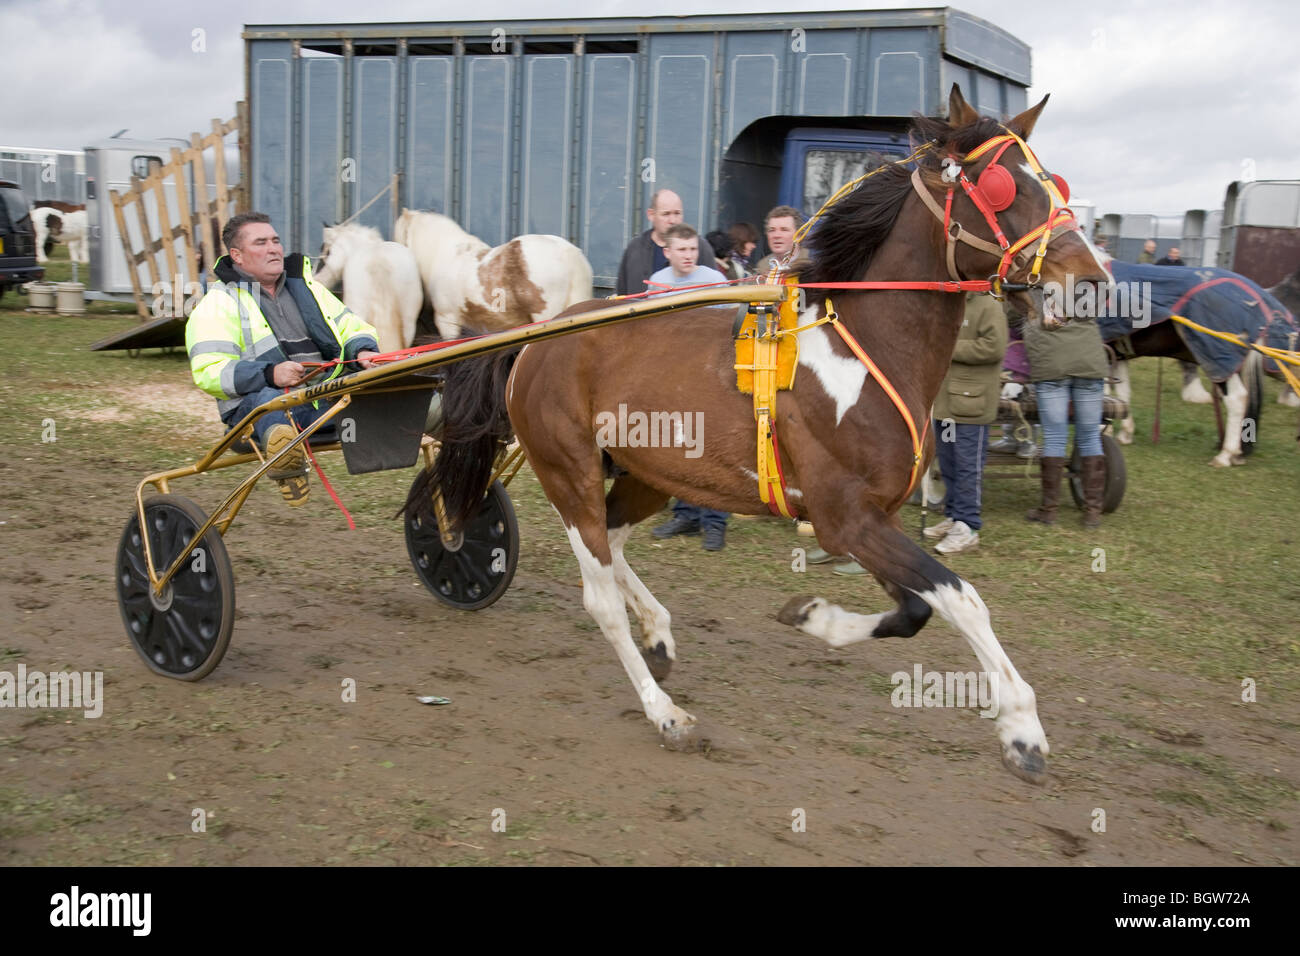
[[1144, 295]]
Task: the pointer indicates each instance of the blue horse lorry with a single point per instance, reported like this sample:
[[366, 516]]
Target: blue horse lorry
[[568, 127]]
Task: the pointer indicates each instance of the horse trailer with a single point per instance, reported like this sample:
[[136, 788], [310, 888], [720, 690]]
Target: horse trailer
[[54, 174], [568, 127], [1260, 234], [111, 165]]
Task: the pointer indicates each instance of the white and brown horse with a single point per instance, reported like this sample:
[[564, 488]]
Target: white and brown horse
[[470, 284], [847, 454], [381, 282], [53, 225]]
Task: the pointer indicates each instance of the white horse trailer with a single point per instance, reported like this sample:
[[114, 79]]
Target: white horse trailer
[[110, 165]]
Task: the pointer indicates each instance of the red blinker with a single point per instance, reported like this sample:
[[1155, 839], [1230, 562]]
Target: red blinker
[[1061, 185], [998, 187]]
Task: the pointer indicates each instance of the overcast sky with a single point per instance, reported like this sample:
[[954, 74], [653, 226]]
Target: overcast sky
[[1156, 106]]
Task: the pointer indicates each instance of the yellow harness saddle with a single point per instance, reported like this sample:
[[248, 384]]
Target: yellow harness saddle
[[767, 355]]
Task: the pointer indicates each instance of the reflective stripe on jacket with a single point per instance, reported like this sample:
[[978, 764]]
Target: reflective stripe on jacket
[[231, 345]]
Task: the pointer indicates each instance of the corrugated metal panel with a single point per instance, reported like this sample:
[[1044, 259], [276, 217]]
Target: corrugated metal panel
[[609, 130], [272, 132], [322, 147], [429, 122], [898, 60], [753, 79], [548, 120], [374, 139], [489, 95], [681, 101]]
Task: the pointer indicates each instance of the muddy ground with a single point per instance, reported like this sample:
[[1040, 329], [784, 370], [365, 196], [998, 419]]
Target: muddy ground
[[544, 731]]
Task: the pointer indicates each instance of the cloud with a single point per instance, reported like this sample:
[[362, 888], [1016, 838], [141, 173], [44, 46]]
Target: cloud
[[89, 75]]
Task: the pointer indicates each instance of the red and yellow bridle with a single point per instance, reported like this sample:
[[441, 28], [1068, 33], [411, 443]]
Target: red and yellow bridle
[[993, 192]]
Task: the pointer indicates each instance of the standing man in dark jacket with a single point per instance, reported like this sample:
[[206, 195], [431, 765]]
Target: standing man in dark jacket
[[644, 255]]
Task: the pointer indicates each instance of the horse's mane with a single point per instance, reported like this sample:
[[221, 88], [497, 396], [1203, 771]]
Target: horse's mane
[[849, 233]]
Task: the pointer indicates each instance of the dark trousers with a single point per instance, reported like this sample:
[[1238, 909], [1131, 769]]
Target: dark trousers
[[707, 517], [961, 462], [304, 415]]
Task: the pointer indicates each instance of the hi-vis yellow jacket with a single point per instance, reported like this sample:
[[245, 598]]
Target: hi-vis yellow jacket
[[232, 348]]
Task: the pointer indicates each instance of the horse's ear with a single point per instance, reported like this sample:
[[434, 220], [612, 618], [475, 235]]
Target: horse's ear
[[960, 113], [1023, 124]]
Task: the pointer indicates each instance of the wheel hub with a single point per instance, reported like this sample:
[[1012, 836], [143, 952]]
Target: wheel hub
[[161, 602]]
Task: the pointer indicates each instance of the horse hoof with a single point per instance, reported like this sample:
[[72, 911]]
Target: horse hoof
[[797, 609], [1027, 763], [657, 659], [680, 732], [1124, 439], [1220, 461]]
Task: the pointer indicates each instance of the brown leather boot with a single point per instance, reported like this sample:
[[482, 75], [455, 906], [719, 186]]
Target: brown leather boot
[[1051, 475], [1094, 489]]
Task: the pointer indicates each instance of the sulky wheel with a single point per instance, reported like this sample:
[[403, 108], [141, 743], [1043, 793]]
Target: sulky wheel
[[185, 632], [477, 567], [1116, 475]]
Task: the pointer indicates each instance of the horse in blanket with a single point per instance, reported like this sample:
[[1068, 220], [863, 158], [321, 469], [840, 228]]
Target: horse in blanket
[[1134, 322]]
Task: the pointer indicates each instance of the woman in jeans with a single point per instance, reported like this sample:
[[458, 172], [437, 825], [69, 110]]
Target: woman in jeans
[[1068, 364]]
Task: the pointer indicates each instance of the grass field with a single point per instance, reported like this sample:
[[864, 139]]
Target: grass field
[[1138, 635]]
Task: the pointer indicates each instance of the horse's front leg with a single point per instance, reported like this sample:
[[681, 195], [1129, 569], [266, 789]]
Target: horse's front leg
[[921, 585], [1235, 403]]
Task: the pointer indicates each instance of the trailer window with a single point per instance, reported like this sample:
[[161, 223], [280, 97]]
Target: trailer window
[[826, 170], [143, 166]]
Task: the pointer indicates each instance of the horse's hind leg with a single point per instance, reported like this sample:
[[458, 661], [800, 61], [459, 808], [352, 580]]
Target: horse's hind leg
[[628, 502], [1124, 392], [922, 584]]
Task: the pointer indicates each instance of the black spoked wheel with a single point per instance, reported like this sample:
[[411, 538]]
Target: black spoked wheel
[[1116, 475], [476, 569], [184, 633]]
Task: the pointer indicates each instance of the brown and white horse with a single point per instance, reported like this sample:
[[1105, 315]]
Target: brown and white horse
[[847, 455], [469, 283]]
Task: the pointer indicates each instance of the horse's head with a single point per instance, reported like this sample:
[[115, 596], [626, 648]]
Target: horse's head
[[1013, 213]]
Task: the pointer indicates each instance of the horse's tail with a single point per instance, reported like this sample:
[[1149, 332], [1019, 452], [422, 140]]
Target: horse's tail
[[474, 421], [1252, 376]]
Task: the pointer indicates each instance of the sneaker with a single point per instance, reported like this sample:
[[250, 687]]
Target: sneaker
[[939, 530], [1006, 445], [1027, 449], [677, 525], [290, 473], [960, 538], [715, 538], [849, 569]]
